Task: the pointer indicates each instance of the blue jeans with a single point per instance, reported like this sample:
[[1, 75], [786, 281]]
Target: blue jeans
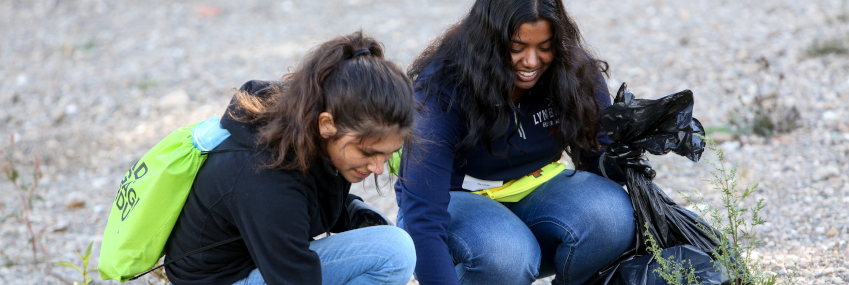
[[569, 227], [373, 255]]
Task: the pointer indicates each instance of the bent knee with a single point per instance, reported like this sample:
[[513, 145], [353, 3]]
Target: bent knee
[[400, 248], [501, 257]]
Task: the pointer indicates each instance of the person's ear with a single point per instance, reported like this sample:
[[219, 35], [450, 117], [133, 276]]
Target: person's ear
[[326, 127]]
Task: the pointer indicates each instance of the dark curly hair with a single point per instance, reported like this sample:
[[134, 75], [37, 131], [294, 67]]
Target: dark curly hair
[[477, 66]]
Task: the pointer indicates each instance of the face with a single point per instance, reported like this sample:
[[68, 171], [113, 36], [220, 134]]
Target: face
[[357, 158], [532, 51]]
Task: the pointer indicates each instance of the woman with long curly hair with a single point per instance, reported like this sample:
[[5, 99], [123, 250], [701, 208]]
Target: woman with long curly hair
[[283, 177], [502, 93]]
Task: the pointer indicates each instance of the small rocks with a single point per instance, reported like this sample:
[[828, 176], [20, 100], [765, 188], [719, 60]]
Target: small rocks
[[826, 172], [722, 137], [76, 204], [207, 10], [71, 109], [832, 232], [21, 80], [75, 200], [730, 145], [61, 226], [178, 99], [828, 191]]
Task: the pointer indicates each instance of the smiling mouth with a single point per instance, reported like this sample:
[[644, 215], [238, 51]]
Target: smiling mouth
[[527, 75], [361, 174]]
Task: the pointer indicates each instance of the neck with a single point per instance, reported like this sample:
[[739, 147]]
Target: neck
[[518, 94]]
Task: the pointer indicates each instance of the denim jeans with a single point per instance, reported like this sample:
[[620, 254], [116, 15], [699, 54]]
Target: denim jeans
[[569, 227], [373, 255]]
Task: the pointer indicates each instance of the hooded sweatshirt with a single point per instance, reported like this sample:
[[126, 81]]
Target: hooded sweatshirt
[[433, 171], [276, 212]]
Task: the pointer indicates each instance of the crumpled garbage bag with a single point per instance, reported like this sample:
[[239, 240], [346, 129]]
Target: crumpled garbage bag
[[658, 126], [639, 270]]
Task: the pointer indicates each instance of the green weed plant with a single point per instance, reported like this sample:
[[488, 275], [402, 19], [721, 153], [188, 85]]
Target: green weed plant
[[82, 270], [673, 272], [836, 46], [26, 192], [765, 115], [735, 225]]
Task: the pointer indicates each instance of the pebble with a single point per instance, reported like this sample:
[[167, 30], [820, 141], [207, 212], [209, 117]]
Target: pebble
[[831, 233], [61, 226], [71, 109], [21, 80], [826, 172], [830, 115], [75, 204]]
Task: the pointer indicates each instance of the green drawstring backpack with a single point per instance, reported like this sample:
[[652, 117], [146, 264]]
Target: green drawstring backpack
[[151, 197]]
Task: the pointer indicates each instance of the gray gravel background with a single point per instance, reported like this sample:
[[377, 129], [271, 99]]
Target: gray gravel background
[[91, 85]]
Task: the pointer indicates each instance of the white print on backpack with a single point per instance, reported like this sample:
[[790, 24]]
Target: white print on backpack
[[127, 199], [548, 117]]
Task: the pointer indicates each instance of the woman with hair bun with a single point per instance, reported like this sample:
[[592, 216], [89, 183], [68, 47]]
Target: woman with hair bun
[[501, 94], [283, 177]]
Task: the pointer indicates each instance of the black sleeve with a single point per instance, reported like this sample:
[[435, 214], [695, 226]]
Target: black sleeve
[[607, 168], [272, 212], [598, 163], [343, 223]]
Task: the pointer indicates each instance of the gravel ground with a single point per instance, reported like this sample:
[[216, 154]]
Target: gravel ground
[[91, 85]]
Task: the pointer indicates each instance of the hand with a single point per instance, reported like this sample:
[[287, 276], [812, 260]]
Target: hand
[[368, 218], [634, 158], [362, 215]]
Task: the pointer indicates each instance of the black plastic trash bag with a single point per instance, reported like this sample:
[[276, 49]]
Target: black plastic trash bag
[[659, 127], [639, 270]]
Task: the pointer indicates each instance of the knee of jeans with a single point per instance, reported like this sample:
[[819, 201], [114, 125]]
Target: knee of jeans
[[612, 227], [401, 249], [504, 257]]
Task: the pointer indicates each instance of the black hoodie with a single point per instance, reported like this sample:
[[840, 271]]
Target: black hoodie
[[276, 212]]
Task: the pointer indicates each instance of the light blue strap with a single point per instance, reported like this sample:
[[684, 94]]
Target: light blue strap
[[208, 134]]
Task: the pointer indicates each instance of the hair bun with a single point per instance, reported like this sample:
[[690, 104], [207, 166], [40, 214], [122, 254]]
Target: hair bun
[[359, 52]]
